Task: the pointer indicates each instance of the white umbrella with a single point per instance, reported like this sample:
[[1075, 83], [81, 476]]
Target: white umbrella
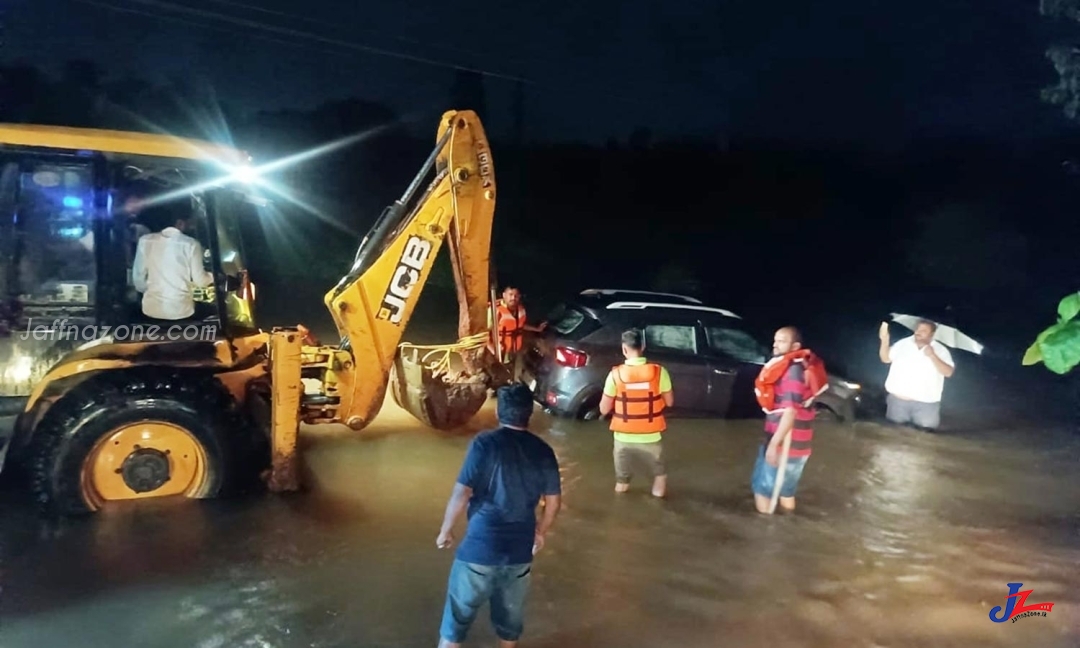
[[947, 335]]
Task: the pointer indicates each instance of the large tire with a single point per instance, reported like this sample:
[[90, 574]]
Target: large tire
[[590, 409], [73, 427], [825, 414]]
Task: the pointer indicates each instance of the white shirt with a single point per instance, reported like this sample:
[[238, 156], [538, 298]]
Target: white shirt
[[912, 375], [168, 267]]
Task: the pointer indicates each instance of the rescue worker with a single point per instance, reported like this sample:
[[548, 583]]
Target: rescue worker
[[636, 394], [795, 377], [168, 266], [505, 473], [511, 327]]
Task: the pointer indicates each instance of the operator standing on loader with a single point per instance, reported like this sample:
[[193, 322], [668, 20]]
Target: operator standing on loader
[[511, 327], [168, 267]]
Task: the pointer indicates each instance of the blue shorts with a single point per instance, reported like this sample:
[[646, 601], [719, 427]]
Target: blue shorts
[[505, 587], [764, 478]]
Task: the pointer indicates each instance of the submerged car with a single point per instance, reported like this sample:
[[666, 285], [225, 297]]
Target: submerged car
[[712, 358]]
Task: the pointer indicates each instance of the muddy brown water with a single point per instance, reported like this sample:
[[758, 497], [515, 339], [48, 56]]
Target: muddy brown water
[[900, 539]]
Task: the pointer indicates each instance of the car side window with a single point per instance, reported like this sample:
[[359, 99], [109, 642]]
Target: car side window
[[734, 343], [664, 337]]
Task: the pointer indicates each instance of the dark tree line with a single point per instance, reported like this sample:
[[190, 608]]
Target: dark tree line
[[730, 223]]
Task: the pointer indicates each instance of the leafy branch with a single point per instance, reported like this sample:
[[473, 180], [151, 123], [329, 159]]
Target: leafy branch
[[1065, 58], [1058, 347]]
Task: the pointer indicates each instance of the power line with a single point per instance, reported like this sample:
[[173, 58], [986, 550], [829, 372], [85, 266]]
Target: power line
[[255, 24], [173, 19], [642, 102], [217, 28], [591, 84], [324, 23]]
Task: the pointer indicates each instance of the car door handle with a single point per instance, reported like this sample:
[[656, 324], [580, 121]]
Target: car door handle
[[723, 372]]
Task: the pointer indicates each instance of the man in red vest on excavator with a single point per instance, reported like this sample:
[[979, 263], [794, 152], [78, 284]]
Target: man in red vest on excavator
[[510, 327], [785, 389]]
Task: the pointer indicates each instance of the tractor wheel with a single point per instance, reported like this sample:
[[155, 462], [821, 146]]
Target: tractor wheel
[[135, 436]]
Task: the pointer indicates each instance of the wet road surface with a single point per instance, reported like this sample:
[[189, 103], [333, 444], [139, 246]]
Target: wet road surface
[[900, 539]]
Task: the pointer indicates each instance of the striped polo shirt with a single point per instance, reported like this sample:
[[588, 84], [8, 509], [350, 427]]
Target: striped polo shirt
[[791, 390]]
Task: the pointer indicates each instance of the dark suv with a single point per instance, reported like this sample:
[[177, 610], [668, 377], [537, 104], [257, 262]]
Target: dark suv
[[712, 358]]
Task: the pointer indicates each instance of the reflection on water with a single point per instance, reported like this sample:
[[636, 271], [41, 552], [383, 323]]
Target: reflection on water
[[901, 539]]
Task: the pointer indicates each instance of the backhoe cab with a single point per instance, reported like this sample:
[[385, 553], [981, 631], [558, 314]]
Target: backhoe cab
[[100, 403]]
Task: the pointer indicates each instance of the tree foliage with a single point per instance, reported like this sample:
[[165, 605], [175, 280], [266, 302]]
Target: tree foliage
[[1058, 347], [1065, 58]]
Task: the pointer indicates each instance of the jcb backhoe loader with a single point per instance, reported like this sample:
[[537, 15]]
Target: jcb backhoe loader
[[104, 404]]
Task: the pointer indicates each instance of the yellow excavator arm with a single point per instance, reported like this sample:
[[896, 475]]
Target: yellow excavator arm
[[374, 302]]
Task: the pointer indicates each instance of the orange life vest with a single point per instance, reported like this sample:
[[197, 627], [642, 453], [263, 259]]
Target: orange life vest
[[639, 405], [510, 326], [814, 375]]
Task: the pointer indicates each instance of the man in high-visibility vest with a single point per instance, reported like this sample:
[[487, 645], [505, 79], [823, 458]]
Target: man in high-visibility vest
[[636, 394], [511, 327]]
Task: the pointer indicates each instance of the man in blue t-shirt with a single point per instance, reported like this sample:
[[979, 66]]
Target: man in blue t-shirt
[[505, 473]]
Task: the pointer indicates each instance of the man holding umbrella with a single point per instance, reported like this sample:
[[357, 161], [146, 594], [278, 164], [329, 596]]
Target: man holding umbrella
[[919, 365]]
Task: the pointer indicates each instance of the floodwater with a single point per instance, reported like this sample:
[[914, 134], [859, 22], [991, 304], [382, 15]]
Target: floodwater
[[900, 539]]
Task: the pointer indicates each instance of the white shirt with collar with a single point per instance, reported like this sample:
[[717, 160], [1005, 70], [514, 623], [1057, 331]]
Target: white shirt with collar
[[168, 267], [912, 375]]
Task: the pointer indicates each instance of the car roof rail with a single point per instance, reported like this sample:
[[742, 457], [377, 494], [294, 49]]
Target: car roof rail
[[621, 291], [628, 305]]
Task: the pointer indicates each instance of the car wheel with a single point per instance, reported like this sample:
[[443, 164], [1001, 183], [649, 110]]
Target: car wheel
[[590, 411], [825, 414]]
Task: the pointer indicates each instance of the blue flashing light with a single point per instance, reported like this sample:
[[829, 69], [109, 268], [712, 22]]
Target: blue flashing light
[[73, 202]]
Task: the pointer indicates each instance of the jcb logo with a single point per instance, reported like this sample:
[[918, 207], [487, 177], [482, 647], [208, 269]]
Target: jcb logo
[[484, 158], [406, 274]]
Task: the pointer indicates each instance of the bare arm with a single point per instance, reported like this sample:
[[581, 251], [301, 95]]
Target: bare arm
[[883, 350], [455, 508], [669, 398], [552, 505], [607, 403], [552, 502], [199, 276], [787, 424]]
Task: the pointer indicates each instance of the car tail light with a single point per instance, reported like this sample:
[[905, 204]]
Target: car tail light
[[572, 358]]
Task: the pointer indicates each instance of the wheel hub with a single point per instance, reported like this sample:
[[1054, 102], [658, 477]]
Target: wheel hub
[[145, 469]]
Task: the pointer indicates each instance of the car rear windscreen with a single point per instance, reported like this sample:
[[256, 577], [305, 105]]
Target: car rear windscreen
[[571, 323]]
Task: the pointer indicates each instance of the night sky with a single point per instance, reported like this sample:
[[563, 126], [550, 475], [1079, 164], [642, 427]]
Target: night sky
[[869, 72]]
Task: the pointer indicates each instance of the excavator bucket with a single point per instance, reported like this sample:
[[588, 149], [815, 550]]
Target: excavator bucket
[[432, 384]]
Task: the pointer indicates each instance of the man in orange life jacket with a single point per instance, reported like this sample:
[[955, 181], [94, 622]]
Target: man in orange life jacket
[[636, 394], [790, 414], [511, 326]]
